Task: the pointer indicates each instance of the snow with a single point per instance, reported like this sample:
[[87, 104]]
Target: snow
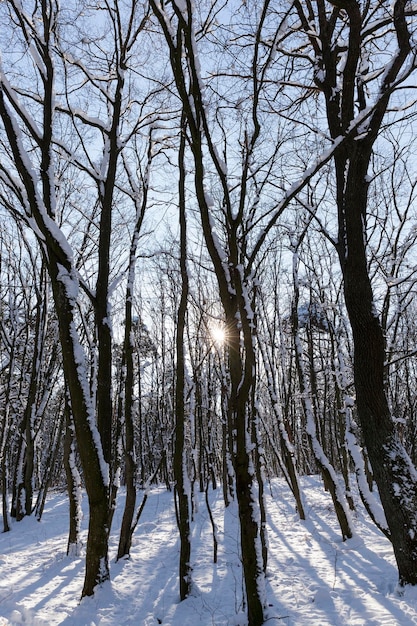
[[181, 6], [313, 577]]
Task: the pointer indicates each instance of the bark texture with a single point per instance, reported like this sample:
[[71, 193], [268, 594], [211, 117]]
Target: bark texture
[[345, 94]]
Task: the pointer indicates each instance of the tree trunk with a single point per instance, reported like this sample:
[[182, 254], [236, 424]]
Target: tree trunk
[[347, 88], [127, 387], [180, 468], [327, 470], [393, 471], [73, 484], [95, 469], [5, 438], [287, 461], [4, 488], [232, 282], [252, 558], [50, 465], [125, 538], [24, 494]]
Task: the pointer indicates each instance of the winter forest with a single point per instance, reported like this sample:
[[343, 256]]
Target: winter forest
[[208, 260]]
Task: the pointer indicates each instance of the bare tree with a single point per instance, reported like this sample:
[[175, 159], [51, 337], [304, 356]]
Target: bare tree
[[128, 367], [180, 466], [358, 79], [37, 148], [308, 392], [236, 232]]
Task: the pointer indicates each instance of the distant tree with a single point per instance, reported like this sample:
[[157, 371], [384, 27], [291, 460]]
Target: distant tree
[[128, 370], [309, 394]]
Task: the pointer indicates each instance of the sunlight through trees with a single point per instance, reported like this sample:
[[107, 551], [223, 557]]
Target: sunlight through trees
[[207, 265]]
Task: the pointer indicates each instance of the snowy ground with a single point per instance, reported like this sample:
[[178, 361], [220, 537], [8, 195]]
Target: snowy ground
[[314, 578]]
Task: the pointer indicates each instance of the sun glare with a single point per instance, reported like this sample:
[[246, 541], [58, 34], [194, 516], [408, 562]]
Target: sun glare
[[218, 334]]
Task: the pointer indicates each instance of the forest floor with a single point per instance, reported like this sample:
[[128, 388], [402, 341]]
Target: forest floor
[[314, 579]]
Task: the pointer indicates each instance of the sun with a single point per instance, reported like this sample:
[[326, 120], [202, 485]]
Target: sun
[[218, 334]]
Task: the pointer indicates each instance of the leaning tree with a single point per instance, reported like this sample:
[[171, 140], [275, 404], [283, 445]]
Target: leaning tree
[[69, 108]]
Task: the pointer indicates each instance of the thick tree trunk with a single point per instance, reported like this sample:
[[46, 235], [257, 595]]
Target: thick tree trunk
[[97, 561], [95, 469], [252, 559], [393, 471], [346, 90], [250, 540]]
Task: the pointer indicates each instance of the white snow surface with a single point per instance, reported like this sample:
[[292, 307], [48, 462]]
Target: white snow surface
[[314, 578]]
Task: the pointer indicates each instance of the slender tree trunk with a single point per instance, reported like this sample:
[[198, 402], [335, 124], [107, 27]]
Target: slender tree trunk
[[18, 492], [329, 475], [5, 437], [50, 465], [287, 464], [228, 474], [128, 378], [73, 484], [24, 496], [257, 455], [258, 462], [127, 389], [4, 488], [180, 468]]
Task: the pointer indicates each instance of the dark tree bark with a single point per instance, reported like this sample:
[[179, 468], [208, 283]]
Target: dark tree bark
[[58, 258], [392, 469], [24, 488], [128, 378], [235, 289], [180, 466], [344, 92], [95, 469], [239, 394], [102, 302], [73, 483]]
